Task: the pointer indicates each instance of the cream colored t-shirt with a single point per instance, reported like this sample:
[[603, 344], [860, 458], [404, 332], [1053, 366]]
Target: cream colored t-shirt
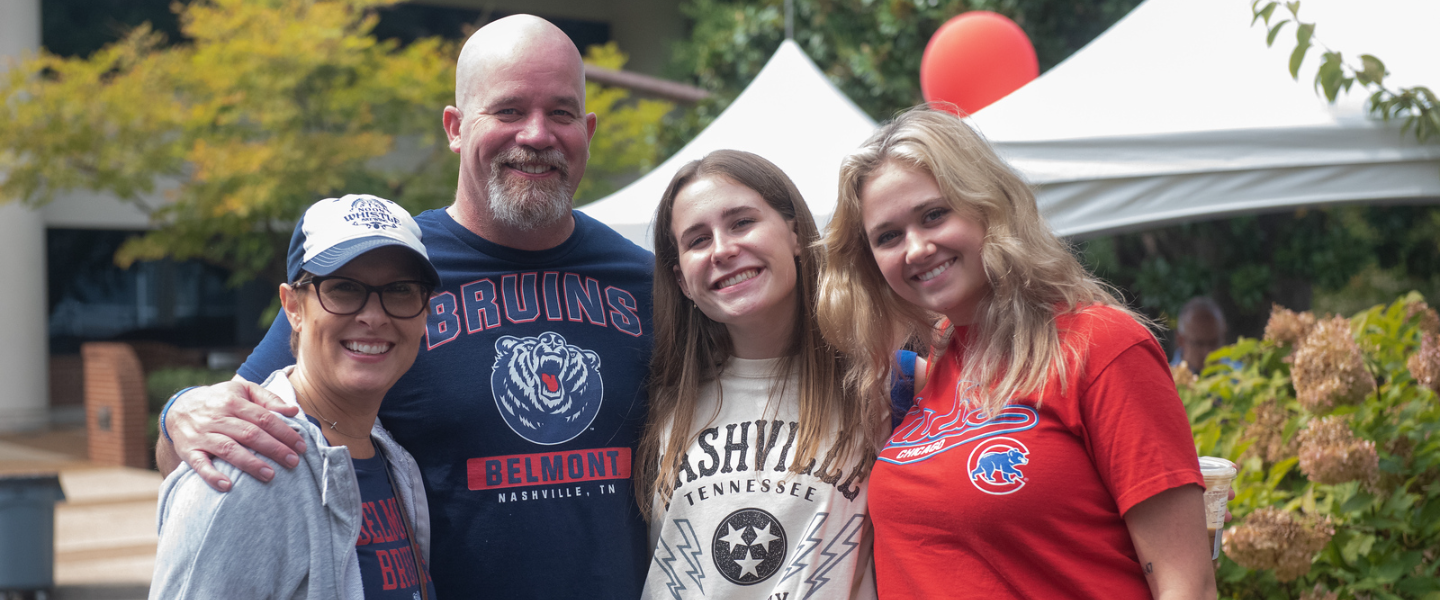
[[740, 525]]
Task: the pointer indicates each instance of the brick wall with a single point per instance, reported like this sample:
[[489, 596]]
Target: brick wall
[[115, 411]]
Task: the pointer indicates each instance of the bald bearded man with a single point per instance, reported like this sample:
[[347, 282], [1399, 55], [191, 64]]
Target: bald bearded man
[[526, 399]]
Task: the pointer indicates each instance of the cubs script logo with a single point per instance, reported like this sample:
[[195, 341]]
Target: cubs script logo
[[547, 390], [371, 212], [935, 427], [994, 466], [749, 546]]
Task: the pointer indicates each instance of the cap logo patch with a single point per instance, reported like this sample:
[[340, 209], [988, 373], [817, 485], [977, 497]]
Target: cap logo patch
[[371, 213]]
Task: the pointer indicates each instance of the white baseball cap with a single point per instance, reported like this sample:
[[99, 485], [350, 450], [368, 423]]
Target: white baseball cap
[[336, 230]]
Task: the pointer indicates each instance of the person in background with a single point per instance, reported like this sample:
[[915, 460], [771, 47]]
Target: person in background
[[526, 401], [742, 378], [1048, 455], [1199, 331], [350, 520]]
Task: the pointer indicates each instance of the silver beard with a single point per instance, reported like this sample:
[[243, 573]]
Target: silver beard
[[528, 205]]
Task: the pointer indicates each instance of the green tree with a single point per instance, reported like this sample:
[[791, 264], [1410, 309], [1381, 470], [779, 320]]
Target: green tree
[[627, 131], [1245, 263], [260, 110], [1338, 259], [870, 49], [269, 107]]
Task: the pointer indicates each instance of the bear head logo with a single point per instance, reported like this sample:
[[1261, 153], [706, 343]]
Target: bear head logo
[[547, 390]]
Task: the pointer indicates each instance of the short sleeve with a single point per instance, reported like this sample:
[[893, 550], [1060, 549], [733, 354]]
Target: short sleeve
[[271, 355], [1139, 435]]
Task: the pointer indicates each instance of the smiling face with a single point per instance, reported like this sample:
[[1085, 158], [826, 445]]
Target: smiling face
[[359, 355], [522, 132], [737, 256], [927, 251]]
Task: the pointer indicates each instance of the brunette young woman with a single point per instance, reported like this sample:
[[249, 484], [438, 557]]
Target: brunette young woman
[[753, 466], [1049, 455]]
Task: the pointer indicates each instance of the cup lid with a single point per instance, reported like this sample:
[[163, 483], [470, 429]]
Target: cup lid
[[1211, 466]]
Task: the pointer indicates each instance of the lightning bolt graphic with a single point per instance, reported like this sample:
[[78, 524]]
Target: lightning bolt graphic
[[846, 538], [808, 542], [691, 557], [673, 584], [691, 551]]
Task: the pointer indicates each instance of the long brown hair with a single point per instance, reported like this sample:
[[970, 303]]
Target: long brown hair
[[690, 348], [1013, 347]]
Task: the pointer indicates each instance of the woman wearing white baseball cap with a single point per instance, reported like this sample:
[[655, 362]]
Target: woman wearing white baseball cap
[[351, 521]]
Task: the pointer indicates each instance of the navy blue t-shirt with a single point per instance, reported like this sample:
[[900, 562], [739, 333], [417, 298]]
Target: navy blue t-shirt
[[523, 410], [388, 569]]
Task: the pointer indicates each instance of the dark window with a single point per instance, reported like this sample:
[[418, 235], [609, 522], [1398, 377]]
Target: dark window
[[186, 303]]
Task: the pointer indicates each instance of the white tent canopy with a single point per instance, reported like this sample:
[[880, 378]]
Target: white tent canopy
[[1180, 112], [790, 114]]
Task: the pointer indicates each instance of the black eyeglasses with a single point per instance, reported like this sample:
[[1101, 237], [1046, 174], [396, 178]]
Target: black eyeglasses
[[344, 296]]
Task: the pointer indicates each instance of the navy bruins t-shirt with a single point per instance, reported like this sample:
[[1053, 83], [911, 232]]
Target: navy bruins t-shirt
[[388, 567], [523, 410]]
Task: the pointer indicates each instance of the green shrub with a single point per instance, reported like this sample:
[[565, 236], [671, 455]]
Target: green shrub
[[163, 383], [1331, 421]]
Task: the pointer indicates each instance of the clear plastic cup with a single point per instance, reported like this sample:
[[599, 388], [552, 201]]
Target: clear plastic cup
[[1218, 474]]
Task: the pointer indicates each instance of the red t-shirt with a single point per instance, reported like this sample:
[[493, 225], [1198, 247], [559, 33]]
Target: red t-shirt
[[1029, 503]]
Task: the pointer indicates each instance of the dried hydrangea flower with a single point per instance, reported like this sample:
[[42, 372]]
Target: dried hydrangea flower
[[1184, 377], [1267, 433], [1319, 593], [1330, 453], [1327, 368], [1425, 365], [1400, 446], [1424, 316], [1271, 538], [1287, 327]]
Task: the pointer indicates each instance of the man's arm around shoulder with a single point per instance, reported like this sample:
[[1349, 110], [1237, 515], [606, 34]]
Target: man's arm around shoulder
[[227, 420]]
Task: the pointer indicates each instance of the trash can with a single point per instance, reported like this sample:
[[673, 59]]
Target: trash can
[[27, 531]]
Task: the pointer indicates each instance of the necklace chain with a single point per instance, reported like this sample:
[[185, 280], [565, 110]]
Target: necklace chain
[[334, 425]]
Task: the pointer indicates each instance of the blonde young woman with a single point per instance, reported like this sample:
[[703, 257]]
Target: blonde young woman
[[1048, 456], [756, 455]]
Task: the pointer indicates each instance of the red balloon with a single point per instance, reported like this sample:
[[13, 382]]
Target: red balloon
[[976, 58]]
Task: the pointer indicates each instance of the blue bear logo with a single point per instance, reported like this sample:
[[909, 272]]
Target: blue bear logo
[[998, 468], [547, 390]]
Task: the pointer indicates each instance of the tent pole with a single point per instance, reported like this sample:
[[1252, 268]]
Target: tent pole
[[789, 19]]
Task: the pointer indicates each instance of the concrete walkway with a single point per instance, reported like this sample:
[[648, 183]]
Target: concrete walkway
[[105, 529]]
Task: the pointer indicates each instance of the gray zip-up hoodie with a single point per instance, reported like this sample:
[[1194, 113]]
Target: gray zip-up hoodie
[[291, 538]]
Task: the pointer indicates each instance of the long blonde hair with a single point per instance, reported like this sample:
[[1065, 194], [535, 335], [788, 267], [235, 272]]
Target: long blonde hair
[[1013, 348], [690, 347]]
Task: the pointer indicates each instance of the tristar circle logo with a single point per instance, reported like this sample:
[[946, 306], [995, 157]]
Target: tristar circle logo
[[994, 466], [547, 390], [749, 546], [372, 213]]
